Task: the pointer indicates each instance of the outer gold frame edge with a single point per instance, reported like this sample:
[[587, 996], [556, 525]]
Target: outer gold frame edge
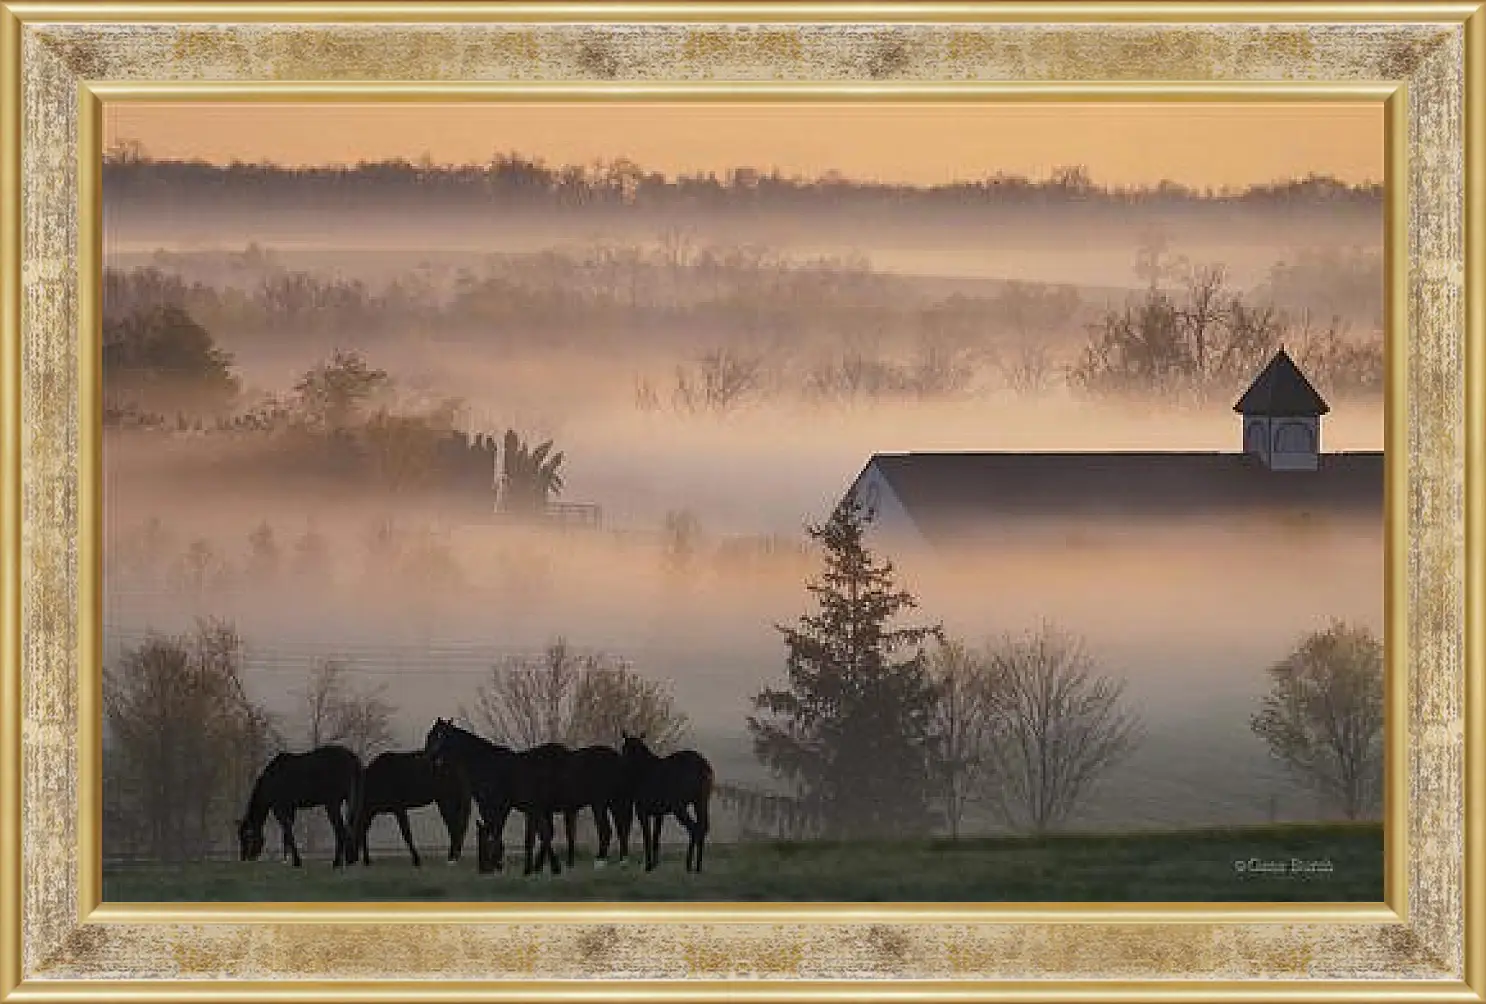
[[1475, 502], [682, 11], [10, 504], [1396, 542], [13, 16], [714, 991]]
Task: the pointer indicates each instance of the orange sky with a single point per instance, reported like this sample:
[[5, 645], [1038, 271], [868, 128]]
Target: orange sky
[[919, 143]]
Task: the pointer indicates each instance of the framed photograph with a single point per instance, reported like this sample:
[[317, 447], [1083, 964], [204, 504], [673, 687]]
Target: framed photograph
[[696, 500]]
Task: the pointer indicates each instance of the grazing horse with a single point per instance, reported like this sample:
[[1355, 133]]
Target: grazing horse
[[501, 780], [399, 781], [670, 784], [327, 776], [490, 851]]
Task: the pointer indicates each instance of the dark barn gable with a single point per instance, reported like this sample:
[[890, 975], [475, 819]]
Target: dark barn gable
[[946, 497], [948, 494]]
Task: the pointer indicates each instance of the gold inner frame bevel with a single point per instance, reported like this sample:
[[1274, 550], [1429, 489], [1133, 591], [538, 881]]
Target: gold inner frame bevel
[[719, 944], [93, 98]]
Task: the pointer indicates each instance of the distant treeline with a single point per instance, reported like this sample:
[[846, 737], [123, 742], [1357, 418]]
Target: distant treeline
[[611, 298], [604, 298], [515, 179]]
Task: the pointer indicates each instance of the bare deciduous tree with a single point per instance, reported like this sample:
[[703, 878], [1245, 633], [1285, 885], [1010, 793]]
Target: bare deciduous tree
[[578, 699], [312, 554], [646, 397], [1028, 369], [681, 535], [856, 373], [184, 743], [1204, 339], [942, 367], [612, 700], [336, 712], [1323, 715], [263, 554], [1059, 726], [200, 569], [141, 551], [719, 381], [962, 720]]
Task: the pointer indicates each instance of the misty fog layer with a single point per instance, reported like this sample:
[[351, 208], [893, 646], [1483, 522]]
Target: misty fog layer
[[1190, 614]]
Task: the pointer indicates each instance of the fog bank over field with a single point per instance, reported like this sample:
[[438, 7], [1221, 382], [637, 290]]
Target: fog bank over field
[[1028, 248], [764, 469], [1189, 615], [737, 369]]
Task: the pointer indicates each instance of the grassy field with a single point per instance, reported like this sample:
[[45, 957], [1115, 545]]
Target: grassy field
[[1187, 866]]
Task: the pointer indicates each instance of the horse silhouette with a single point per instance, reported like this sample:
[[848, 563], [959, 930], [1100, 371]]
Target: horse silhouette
[[327, 776], [501, 780], [398, 781], [594, 778], [489, 849], [486, 858], [672, 785]]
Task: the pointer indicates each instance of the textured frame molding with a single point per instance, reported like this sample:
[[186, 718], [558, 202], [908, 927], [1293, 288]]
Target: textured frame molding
[[60, 61]]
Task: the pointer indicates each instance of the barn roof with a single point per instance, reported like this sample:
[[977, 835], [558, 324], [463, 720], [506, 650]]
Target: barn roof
[[1282, 391], [943, 492]]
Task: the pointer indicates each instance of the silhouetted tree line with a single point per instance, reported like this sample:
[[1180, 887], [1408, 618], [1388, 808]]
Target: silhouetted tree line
[[514, 179], [184, 739], [827, 330], [1202, 339], [163, 371], [197, 569], [606, 299], [273, 303], [882, 728], [158, 357], [1330, 282]]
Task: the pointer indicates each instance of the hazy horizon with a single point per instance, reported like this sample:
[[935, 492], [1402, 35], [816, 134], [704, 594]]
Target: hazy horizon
[[1202, 144]]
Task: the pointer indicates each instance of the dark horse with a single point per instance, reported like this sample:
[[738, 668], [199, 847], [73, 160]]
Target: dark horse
[[671, 784], [501, 780], [397, 782], [327, 776], [594, 778]]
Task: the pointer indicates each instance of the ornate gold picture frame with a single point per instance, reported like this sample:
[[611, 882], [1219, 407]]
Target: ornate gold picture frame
[[62, 61]]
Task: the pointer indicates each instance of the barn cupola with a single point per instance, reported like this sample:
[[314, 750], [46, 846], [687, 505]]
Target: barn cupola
[[1282, 417]]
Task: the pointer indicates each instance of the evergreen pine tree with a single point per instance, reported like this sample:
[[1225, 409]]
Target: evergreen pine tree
[[853, 730]]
